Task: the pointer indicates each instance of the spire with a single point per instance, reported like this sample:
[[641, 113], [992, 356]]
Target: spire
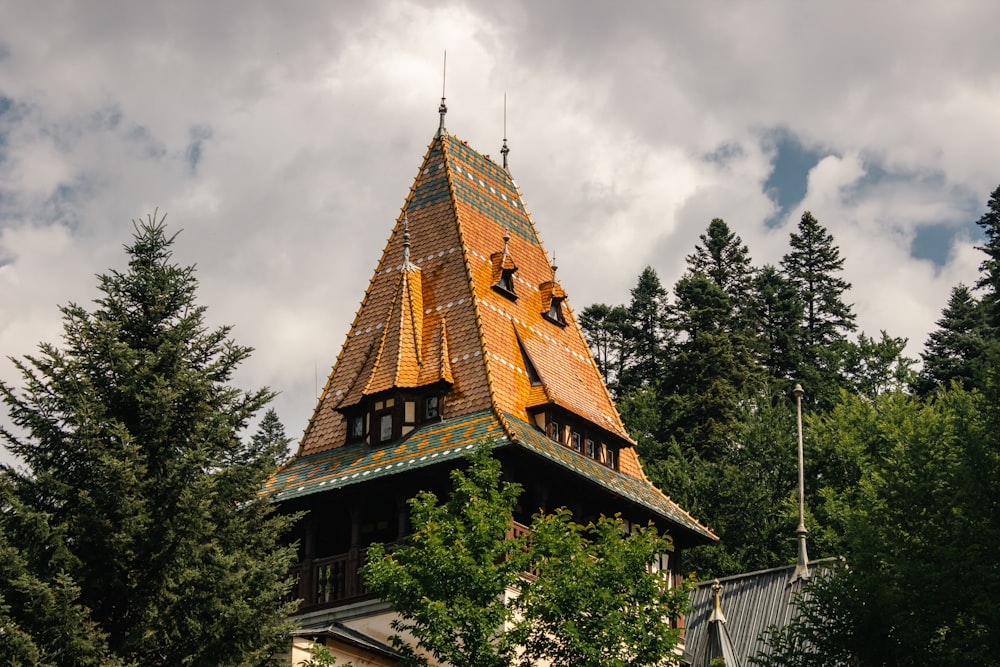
[[718, 644], [443, 108], [505, 149], [802, 565]]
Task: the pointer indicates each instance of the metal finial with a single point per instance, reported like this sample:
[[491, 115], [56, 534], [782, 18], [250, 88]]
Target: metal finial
[[554, 267], [505, 149], [802, 564], [443, 108], [717, 614], [407, 264], [506, 240]]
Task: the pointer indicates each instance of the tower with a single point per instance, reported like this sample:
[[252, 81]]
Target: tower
[[464, 333]]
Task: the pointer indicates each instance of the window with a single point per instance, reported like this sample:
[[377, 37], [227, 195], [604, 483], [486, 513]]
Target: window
[[576, 441], [431, 407], [385, 427], [612, 459], [357, 427], [554, 431], [591, 448]]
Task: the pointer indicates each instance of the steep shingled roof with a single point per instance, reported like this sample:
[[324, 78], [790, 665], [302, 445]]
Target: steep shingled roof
[[438, 315]]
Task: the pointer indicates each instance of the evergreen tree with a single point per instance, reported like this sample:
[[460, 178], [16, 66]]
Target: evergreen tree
[[955, 351], [989, 270], [645, 333], [778, 313], [812, 265], [41, 619], [709, 368], [605, 328], [725, 259], [132, 455]]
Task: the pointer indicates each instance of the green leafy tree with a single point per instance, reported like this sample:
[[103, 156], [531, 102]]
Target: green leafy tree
[[597, 599], [919, 526], [132, 457], [873, 367], [458, 583], [450, 581], [956, 350]]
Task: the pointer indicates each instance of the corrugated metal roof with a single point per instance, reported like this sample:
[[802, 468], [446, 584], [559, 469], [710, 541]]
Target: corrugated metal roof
[[752, 603]]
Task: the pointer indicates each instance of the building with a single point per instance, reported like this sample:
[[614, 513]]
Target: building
[[729, 618], [464, 333]]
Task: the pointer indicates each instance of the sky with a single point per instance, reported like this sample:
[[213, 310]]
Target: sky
[[281, 140]]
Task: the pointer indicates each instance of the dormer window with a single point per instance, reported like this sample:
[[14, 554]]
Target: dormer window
[[356, 427], [431, 408], [553, 431], [555, 314], [506, 282], [503, 271], [552, 302], [385, 427]]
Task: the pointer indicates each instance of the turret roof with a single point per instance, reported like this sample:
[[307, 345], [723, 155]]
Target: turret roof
[[437, 312]]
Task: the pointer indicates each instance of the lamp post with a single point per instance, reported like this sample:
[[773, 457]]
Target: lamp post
[[802, 565]]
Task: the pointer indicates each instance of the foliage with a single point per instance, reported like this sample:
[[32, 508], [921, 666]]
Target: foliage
[[595, 601], [645, 333], [322, 657], [41, 619], [956, 350], [605, 328], [989, 270], [812, 265], [134, 466], [457, 583], [450, 582], [919, 529]]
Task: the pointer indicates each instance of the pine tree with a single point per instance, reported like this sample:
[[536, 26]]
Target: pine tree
[[132, 453], [777, 317], [812, 265], [645, 333], [989, 270], [605, 328], [707, 371], [955, 351], [725, 259]]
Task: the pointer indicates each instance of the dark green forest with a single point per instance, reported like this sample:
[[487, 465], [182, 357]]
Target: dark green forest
[[902, 459]]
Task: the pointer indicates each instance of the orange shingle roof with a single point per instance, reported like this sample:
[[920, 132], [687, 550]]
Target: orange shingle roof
[[436, 314]]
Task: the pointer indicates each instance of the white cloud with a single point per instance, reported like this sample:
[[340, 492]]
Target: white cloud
[[630, 129]]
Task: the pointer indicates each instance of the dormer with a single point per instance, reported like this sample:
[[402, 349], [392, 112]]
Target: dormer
[[385, 418], [503, 271], [552, 302]]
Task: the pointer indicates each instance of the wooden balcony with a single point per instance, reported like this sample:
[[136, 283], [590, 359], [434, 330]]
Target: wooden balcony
[[325, 582], [333, 580]]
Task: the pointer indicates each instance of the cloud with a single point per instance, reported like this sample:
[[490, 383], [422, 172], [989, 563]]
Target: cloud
[[284, 142]]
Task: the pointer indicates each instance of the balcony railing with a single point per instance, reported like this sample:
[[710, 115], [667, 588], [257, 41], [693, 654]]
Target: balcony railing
[[324, 582]]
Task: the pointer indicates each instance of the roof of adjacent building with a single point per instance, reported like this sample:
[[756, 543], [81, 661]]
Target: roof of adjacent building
[[432, 315], [752, 603]]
